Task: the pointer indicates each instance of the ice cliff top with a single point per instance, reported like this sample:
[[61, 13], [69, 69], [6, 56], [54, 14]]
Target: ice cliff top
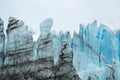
[[46, 25]]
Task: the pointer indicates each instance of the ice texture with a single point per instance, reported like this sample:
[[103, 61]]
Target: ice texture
[[18, 39], [94, 51], [17, 33], [2, 42], [46, 25], [45, 41]]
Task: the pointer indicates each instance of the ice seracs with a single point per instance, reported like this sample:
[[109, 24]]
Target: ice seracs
[[45, 26], [97, 47], [94, 52], [45, 40], [18, 39], [17, 33], [2, 42]]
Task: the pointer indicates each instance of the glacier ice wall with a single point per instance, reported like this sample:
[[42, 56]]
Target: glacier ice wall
[[24, 59], [95, 49], [96, 52]]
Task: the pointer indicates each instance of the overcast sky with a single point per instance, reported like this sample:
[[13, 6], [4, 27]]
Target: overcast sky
[[67, 14]]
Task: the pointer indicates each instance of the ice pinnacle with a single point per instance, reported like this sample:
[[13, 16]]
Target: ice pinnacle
[[46, 25]]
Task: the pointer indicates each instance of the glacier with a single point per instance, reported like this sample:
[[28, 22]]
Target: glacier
[[96, 52], [93, 53]]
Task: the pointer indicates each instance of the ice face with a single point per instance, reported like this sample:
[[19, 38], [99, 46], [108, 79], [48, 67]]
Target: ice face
[[95, 49], [46, 25], [118, 36], [18, 34], [1, 25], [2, 41], [45, 41]]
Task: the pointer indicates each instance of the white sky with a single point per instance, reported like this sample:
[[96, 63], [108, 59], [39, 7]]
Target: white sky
[[67, 14]]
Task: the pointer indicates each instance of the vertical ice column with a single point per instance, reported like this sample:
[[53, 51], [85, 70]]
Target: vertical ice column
[[67, 37], [118, 36], [91, 44], [57, 44], [2, 42], [81, 32], [17, 34], [19, 40], [106, 46], [76, 51], [45, 41]]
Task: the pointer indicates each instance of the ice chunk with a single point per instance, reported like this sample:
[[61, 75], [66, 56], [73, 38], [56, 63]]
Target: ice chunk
[[45, 40], [46, 25]]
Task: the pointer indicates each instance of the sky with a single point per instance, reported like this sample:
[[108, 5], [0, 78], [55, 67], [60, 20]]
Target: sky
[[66, 14]]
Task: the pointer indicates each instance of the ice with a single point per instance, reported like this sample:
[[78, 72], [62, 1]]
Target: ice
[[94, 48], [17, 33], [118, 36], [44, 43], [46, 25], [2, 42]]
